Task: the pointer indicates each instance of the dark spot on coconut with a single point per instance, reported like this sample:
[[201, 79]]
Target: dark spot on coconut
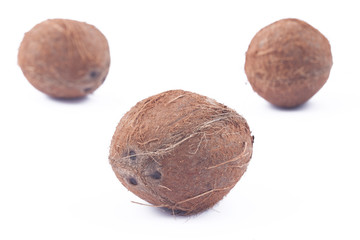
[[87, 90], [132, 181], [252, 138], [94, 74], [156, 175], [225, 110], [132, 155]]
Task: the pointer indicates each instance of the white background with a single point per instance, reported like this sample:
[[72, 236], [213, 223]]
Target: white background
[[302, 182]]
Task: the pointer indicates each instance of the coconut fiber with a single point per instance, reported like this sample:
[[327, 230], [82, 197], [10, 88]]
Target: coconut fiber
[[181, 151]]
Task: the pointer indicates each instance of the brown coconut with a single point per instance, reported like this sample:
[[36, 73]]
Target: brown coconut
[[180, 151], [64, 58], [287, 62]]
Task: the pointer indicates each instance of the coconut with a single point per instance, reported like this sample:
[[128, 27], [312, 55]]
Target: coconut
[[64, 58], [180, 151], [287, 62]]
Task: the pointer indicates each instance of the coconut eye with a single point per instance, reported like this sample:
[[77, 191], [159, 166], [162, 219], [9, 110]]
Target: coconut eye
[[132, 181], [94, 74], [132, 155], [156, 175], [87, 90]]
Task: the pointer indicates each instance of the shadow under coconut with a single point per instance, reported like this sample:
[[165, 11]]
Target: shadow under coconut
[[166, 212], [78, 100], [302, 107]]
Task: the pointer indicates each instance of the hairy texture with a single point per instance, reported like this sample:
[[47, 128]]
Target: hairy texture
[[288, 62], [181, 151], [64, 58]]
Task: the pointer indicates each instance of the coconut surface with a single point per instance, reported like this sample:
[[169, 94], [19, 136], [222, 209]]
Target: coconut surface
[[180, 151], [287, 62], [64, 58]]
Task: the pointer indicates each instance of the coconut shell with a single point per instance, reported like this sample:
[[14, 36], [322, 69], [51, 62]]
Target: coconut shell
[[64, 58], [180, 151], [287, 62]]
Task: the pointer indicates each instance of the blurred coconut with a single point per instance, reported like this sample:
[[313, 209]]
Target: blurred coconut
[[288, 62], [64, 58]]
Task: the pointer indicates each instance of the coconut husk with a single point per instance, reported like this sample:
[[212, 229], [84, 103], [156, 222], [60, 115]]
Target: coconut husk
[[181, 151], [64, 58], [287, 62]]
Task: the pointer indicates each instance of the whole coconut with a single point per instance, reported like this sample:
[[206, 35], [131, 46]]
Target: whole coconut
[[181, 151], [64, 58], [288, 62]]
